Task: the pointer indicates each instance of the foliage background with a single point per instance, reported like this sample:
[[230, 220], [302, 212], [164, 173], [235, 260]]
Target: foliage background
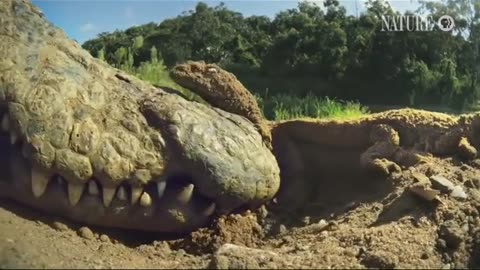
[[306, 54]]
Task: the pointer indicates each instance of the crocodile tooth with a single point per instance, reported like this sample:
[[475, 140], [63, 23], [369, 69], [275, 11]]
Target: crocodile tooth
[[5, 123], [39, 182], [185, 194], [75, 193], [13, 137], [145, 200], [108, 194], [121, 194], [161, 188], [209, 210], [93, 188], [136, 193]]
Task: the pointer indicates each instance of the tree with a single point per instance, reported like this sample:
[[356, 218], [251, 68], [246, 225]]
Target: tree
[[318, 43]]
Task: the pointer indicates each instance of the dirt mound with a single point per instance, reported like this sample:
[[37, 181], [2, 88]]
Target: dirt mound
[[329, 213], [353, 223]]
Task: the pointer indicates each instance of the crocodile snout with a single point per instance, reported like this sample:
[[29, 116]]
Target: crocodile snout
[[223, 152]]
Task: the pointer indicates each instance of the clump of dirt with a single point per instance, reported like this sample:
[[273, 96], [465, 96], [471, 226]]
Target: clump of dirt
[[221, 89], [240, 229]]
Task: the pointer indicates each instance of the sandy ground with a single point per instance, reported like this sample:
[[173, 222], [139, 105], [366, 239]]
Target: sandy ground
[[387, 227]]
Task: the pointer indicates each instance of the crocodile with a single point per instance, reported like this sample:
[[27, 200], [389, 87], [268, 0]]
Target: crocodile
[[309, 150], [89, 142]]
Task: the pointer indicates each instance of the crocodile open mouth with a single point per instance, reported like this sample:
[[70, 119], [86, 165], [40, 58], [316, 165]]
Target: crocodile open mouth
[[172, 205]]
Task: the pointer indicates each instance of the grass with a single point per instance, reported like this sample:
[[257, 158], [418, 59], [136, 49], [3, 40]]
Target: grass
[[284, 107], [157, 74]]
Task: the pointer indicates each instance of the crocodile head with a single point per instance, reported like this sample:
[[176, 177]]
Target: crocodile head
[[86, 141]]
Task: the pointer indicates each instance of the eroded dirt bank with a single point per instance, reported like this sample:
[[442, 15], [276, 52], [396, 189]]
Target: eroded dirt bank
[[383, 225]]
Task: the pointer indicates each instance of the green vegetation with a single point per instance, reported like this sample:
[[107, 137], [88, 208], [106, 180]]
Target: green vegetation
[[284, 107], [278, 107], [313, 52], [153, 71]]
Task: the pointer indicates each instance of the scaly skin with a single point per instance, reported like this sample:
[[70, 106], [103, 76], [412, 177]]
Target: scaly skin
[[122, 152]]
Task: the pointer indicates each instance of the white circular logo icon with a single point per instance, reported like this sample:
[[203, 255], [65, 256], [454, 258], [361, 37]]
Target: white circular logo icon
[[446, 23]]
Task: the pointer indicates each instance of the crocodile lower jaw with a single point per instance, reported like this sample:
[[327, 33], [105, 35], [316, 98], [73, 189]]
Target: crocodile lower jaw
[[169, 206]]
